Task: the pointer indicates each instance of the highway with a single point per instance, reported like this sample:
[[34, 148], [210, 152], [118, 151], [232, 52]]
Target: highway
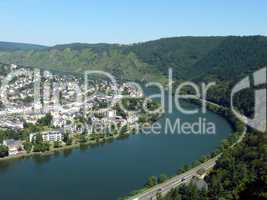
[[164, 188], [174, 182]]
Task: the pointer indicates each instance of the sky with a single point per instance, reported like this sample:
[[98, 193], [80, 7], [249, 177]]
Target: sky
[[51, 22]]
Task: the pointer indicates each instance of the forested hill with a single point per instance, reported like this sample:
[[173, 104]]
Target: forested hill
[[77, 58], [235, 58], [192, 58], [240, 174], [180, 53], [12, 46]]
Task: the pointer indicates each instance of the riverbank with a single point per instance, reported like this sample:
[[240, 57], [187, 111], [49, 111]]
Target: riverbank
[[103, 140], [88, 167], [65, 147], [240, 131]]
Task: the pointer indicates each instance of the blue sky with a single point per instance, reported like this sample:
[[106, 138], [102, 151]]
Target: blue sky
[[52, 22]]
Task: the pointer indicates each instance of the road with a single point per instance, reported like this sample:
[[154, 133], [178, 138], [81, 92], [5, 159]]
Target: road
[[176, 181], [186, 177]]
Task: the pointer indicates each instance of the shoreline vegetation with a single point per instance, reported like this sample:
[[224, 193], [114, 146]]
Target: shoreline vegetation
[[66, 147], [152, 181], [81, 141], [197, 59], [238, 128]]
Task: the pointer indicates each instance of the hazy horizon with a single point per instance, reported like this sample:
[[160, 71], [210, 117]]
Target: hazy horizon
[[79, 42]]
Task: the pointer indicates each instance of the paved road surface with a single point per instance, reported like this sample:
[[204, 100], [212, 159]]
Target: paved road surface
[[165, 187], [186, 177]]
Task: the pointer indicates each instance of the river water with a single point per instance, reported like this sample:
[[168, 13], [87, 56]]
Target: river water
[[109, 171]]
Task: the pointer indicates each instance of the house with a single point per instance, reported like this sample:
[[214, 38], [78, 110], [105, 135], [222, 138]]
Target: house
[[13, 146], [52, 136], [15, 125], [111, 113], [33, 118], [49, 136], [13, 67]]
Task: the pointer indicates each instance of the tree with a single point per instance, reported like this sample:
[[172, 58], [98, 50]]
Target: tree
[[83, 138], [57, 144], [46, 120], [179, 171], [3, 151], [159, 196], [240, 173], [67, 139], [163, 178], [27, 146], [43, 147], [38, 139], [186, 192], [152, 181]]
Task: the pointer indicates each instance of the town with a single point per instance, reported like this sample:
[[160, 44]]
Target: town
[[41, 111]]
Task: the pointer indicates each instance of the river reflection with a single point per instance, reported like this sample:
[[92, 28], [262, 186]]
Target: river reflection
[[42, 159]]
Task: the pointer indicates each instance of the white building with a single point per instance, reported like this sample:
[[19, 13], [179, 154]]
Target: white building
[[49, 136], [13, 146], [13, 67], [111, 113], [12, 125]]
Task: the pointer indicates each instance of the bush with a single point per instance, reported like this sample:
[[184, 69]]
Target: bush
[[27, 146], [43, 147], [151, 181], [3, 151], [163, 178], [57, 144]]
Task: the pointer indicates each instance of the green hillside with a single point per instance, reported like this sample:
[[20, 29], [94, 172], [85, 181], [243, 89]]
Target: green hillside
[[225, 60], [241, 172], [192, 58], [77, 58], [180, 53], [12, 46]]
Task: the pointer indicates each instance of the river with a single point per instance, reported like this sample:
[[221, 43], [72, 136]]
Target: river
[[108, 171]]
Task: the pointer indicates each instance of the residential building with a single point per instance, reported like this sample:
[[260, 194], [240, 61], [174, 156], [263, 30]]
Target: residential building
[[13, 146], [111, 113], [49, 136]]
